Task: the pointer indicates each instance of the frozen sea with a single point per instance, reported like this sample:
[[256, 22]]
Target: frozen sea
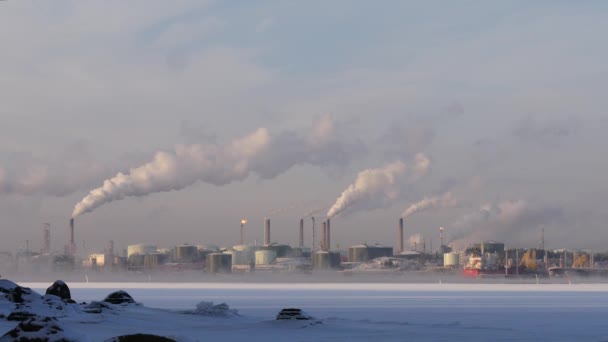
[[362, 312]]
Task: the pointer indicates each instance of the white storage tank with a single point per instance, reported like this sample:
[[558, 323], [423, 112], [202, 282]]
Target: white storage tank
[[265, 257], [237, 257], [140, 249], [451, 259]]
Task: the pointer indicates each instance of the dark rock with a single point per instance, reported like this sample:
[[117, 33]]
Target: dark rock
[[59, 289], [20, 316], [140, 338], [37, 329], [119, 297], [293, 314]]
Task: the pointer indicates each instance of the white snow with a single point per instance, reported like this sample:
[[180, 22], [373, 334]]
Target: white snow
[[354, 312]]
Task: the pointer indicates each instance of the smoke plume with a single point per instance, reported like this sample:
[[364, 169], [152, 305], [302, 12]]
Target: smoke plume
[[183, 167], [374, 187], [515, 221], [427, 203], [259, 152]]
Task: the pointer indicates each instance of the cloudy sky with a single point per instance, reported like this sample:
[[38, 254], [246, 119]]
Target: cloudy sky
[[216, 111]]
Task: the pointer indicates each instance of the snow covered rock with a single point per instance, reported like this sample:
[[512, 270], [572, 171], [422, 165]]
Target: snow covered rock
[[209, 309], [39, 329], [119, 297], [59, 289], [140, 338]]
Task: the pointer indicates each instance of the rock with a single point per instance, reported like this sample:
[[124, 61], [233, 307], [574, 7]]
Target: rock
[[140, 338], [293, 314], [59, 289], [39, 329], [209, 309], [119, 297]]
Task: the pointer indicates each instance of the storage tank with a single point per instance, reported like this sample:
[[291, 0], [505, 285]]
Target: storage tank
[[451, 259], [248, 253], [140, 249], [219, 263], [237, 257], [265, 257], [365, 253], [152, 260], [185, 253], [321, 261]]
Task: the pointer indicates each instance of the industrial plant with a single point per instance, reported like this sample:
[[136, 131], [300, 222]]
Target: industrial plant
[[483, 259]]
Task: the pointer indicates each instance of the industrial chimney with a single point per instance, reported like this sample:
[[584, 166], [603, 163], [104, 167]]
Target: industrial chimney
[[328, 236], [324, 236], [46, 248], [72, 241], [301, 233], [401, 250], [267, 232]]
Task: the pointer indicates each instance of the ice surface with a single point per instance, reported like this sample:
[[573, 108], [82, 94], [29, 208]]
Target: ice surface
[[354, 312]]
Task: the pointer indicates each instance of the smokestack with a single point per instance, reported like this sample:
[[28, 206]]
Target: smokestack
[[401, 235], [313, 235], [267, 231], [301, 233], [72, 241], [324, 236], [46, 248], [328, 236], [111, 247]]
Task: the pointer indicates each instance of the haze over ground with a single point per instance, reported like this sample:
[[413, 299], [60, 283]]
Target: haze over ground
[[506, 101]]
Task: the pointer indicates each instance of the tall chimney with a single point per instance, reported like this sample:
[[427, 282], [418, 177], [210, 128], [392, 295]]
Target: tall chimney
[[324, 236], [301, 233], [328, 238], [111, 248], [312, 247], [46, 248], [267, 231], [72, 241], [401, 235]]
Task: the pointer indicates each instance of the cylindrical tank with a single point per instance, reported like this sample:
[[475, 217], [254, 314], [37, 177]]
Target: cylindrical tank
[[237, 257], [248, 253], [265, 257], [219, 263], [152, 260], [140, 249], [321, 261], [451, 259], [185, 253]]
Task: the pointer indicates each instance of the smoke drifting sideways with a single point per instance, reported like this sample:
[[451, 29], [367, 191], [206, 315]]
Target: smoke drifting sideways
[[514, 221], [436, 202], [373, 188], [73, 169], [258, 152]]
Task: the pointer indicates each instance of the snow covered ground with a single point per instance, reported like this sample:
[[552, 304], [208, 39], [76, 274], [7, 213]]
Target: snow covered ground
[[354, 312]]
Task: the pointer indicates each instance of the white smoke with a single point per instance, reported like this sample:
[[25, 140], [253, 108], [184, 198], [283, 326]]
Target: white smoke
[[444, 201], [373, 187], [416, 240], [515, 221], [260, 153], [176, 170], [69, 171]]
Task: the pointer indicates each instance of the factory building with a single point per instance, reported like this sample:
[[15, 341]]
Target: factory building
[[185, 254], [365, 252]]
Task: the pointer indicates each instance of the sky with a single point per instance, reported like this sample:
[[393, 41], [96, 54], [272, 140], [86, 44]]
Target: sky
[[201, 113]]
